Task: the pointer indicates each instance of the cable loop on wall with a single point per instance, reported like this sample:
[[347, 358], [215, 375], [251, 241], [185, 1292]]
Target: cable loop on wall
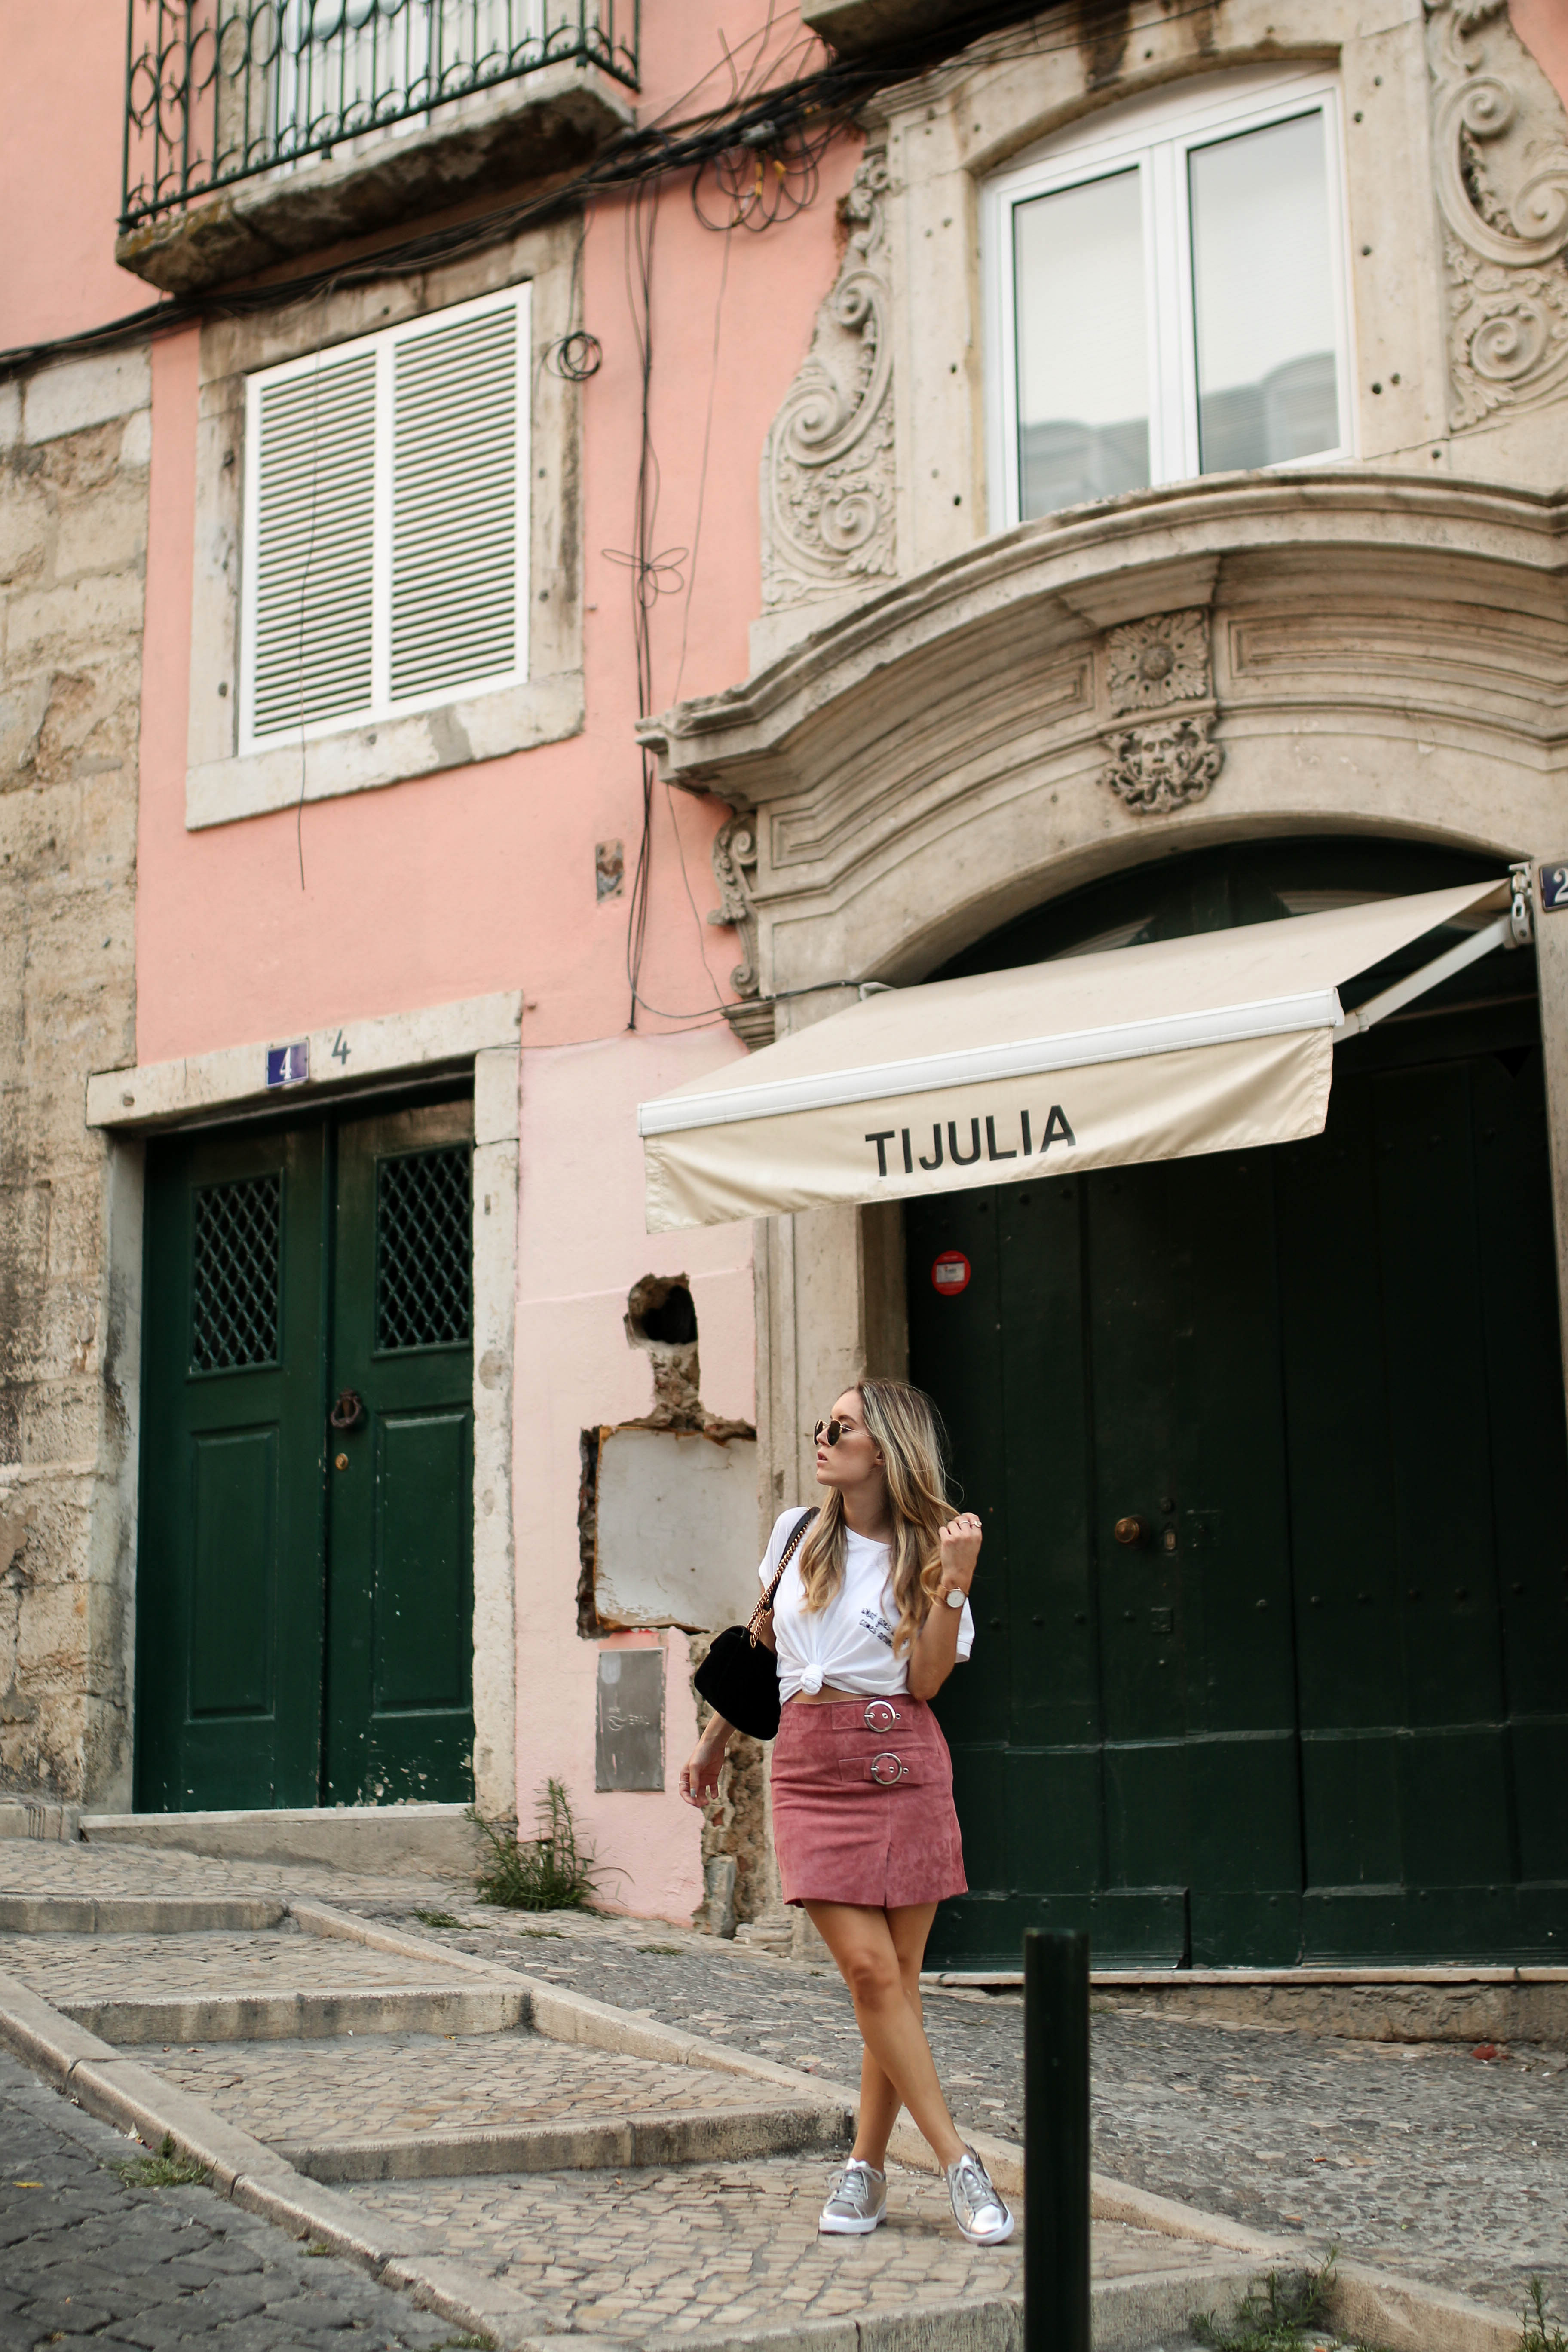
[[575, 357], [768, 175]]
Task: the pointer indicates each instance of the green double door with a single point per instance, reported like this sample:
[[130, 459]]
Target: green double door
[[304, 1576], [1316, 1707]]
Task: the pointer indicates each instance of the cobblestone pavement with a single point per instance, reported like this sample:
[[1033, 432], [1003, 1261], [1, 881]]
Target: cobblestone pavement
[[85, 2260], [720, 2247], [46, 1866], [1411, 2154], [83, 1967], [1415, 2155], [427, 2082]]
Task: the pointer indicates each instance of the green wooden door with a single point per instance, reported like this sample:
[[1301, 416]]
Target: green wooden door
[[304, 1631], [1316, 1711], [229, 1571], [400, 1645]]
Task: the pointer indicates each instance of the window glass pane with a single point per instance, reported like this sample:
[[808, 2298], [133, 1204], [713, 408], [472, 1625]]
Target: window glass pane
[[1268, 372], [1083, 360]]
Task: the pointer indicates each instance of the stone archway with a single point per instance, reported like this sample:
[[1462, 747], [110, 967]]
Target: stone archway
[[1293, 653], [1301, 651]]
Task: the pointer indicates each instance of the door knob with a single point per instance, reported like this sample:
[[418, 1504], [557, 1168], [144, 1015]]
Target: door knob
[[1131, 1531], [349, 1411]]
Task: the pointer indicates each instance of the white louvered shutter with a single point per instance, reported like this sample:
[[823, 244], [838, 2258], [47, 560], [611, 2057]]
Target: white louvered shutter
[[455, 617], [313, 562]]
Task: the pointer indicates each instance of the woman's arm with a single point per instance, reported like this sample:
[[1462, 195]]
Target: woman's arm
[[934, 1652], [700, 1773]]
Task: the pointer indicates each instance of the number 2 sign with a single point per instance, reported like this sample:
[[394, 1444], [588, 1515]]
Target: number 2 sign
[[1553, 888]]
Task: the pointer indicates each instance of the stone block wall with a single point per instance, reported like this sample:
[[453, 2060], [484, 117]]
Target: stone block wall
[[74, 451]]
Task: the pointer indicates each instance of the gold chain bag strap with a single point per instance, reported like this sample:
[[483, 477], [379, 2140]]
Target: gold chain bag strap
[[765, 1608]]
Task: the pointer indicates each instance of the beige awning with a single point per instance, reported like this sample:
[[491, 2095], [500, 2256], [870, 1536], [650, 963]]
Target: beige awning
[[1213, 1043]]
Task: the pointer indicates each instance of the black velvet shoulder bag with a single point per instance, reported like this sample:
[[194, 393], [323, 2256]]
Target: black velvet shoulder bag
[[740, 1677]]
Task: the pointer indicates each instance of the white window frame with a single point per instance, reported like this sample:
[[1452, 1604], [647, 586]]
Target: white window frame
[[382, 708], [1155, 136]]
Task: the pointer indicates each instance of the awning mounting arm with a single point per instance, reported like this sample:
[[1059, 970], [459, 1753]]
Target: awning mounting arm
[[1510, 931]]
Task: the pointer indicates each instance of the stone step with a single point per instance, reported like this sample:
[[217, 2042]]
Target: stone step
[[711, 2257], [364, 1838], [127, 1915], [298, 2016], [608, 2143], [66, 1968], [395, 2086]]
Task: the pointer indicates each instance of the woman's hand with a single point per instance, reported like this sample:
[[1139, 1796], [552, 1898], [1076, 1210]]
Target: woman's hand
[[960, 1541], [700, 1773]]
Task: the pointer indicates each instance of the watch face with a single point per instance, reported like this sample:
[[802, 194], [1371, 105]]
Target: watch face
[[955, 1599]]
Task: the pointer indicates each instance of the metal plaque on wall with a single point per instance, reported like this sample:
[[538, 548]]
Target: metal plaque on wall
[[628, 1742]]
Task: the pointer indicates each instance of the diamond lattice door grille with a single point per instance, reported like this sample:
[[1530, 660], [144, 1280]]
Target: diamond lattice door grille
[[424, 1250], [234, 1284]]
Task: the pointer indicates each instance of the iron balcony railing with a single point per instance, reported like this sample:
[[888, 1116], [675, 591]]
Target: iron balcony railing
[[217, 91]]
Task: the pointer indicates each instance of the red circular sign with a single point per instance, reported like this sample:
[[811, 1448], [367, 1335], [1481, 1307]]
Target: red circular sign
[[950, 1273]]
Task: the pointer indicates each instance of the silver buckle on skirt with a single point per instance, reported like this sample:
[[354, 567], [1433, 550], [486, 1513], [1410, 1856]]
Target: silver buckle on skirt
[[887, 1770], [881, 1715]]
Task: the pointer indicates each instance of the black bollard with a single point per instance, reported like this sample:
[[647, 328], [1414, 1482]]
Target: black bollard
[[1056, 2142]]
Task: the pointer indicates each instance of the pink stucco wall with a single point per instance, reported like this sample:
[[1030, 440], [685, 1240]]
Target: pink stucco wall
[[62, 78], [482, 879], [581, 1249], [1542, 26]]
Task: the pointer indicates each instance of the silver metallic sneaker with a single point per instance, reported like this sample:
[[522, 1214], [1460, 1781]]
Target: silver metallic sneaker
[[976, 2207], [857, 2201]]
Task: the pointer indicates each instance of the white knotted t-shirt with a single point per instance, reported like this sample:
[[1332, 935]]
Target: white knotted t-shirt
[[848, 1645]]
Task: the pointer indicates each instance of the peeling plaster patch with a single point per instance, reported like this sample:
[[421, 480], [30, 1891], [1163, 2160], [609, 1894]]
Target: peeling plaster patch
[[662, 1317], [673, 1529]]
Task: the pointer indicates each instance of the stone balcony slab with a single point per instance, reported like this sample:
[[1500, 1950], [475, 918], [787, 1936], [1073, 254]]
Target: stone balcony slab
[[520, 134]]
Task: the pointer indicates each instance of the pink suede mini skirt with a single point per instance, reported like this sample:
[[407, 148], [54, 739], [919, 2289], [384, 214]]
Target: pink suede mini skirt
[[863, 1805]]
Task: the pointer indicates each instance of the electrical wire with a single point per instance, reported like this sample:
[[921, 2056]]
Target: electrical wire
[[641, 234], [702, 472], [576, 355], [829, 97], [753, 165], [653, 575]]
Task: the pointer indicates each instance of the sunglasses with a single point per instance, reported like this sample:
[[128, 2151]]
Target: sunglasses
[[828, 1432]]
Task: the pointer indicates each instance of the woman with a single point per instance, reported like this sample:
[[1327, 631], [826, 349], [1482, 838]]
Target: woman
[[870, 1617]]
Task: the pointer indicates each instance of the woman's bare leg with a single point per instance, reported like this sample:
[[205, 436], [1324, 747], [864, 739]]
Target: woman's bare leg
[[874, 1951], [879, 2104]]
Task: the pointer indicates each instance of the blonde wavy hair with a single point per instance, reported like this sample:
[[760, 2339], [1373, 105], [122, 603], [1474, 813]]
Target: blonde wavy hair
[[906, 1429]]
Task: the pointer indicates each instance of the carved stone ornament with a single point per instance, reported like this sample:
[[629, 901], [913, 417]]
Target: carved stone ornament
[[1502, 185], [828, 467], [1163, 765], [734, 854], [1157, 661]]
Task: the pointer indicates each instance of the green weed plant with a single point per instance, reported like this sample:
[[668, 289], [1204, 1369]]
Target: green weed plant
[[551, 1871], [163, 2169], [1274, 2315], [1542, 2333]]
